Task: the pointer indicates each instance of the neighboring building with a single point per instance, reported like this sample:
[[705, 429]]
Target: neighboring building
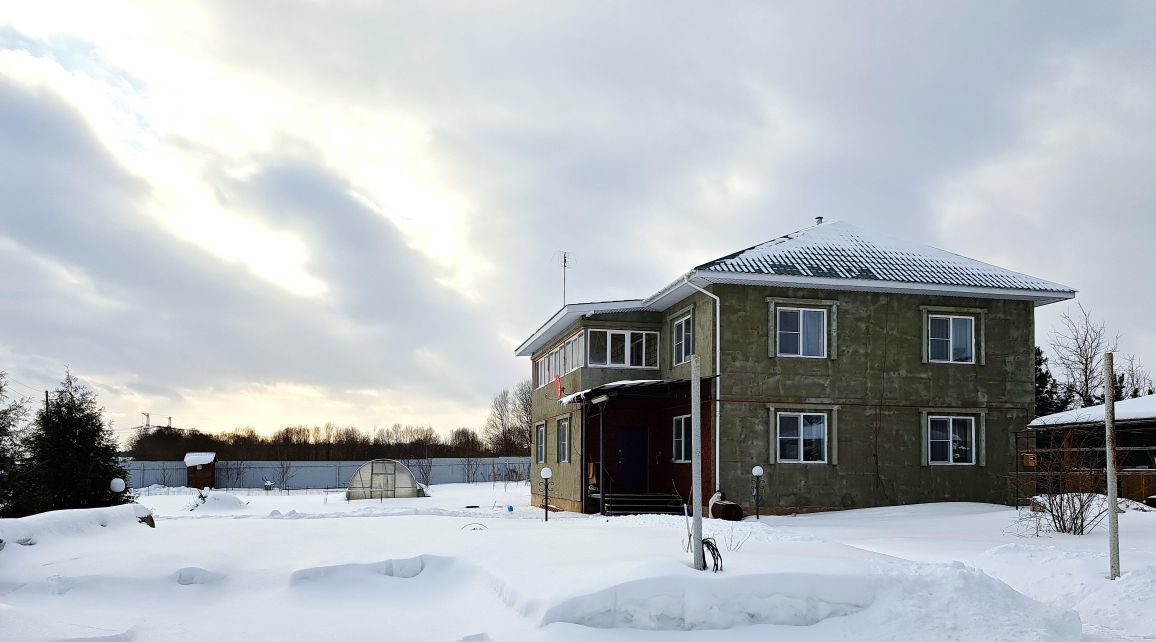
[[201, 470], [1066, 451], [857, 369]]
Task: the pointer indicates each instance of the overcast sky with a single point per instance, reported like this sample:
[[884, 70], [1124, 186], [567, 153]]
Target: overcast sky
[[272, 213]]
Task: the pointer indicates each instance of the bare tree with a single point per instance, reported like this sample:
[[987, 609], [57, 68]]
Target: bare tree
[[523, 414], [1079, 346], [1133, 380], [1067, 483], [283, 472], [499, 428]]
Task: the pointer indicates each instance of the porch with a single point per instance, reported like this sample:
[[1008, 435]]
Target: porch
[[636, 455]]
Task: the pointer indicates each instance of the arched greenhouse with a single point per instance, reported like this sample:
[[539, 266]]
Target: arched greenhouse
[[383, 478]]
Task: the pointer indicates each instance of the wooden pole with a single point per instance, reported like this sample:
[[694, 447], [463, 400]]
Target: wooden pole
[[696, 461], [1110, 453]]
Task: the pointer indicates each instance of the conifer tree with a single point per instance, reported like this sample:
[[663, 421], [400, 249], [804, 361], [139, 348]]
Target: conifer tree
[[1051, 397], [12, 414], [70, 456]]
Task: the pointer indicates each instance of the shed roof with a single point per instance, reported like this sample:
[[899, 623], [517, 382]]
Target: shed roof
[[1139, 409], [199, 459]]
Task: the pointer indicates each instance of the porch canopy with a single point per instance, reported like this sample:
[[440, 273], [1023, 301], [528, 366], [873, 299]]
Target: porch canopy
[[636, 439]]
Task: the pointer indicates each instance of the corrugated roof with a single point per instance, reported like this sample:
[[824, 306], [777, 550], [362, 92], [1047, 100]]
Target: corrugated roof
[[838, 250]]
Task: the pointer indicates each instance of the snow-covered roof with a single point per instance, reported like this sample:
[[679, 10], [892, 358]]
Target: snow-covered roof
[[838, 251], [623, 383], [833, 255], [1137, 409], [199, 459]]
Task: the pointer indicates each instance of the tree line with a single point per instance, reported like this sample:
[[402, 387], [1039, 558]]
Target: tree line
[[505, 432]]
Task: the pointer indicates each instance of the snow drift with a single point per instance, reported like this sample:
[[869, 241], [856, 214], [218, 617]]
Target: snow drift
[[68, 523]]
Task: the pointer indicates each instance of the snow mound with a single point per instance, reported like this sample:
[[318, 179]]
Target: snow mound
[[68, 523], [1124, 605], [344, 573], [196, 575], [937, 602], [678, 603], [217, 502]]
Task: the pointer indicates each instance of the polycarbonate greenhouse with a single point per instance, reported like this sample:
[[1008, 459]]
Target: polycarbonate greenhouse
[[383, 478]]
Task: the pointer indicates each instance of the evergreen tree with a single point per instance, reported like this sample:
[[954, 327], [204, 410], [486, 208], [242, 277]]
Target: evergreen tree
[[70, 456], [11, 416], [1050, 396]]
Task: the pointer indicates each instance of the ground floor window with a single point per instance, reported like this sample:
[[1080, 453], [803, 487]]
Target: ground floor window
[[563, 440], [540, 443], [802, 437], [682, 441], [951, 440]]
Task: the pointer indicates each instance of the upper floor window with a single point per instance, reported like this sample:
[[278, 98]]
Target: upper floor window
[[540, 443], [951, 339], [563, 440], [682, 442], [682, 340], [951, 440], [623, 348], [567, 357], [802, 332], [802, 437]]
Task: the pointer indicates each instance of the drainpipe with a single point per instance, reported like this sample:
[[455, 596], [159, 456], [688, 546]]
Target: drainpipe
[[717, 374]]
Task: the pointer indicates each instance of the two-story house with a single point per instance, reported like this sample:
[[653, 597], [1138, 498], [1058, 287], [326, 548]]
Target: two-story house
[[856, 369]]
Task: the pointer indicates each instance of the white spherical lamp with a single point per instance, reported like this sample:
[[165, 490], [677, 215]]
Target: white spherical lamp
[[547, 473], [757, 471], [116, 485]]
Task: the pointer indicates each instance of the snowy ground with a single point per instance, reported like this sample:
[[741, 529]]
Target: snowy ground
[[308, 567]]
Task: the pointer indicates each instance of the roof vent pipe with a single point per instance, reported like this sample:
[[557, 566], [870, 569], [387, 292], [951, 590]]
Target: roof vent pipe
[[818, 220]]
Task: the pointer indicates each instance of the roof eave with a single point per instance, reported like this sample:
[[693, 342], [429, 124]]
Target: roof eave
[[550, 329], [1039, 297]]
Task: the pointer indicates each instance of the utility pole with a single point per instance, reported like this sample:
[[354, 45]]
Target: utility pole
[[1110, 453], [696, 462], [565, 266], [45, 402]]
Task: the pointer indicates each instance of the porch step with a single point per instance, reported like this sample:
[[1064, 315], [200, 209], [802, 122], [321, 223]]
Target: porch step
[[643, 504]]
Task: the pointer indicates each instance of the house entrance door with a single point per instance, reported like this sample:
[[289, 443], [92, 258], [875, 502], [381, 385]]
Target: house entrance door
[[631, 473]]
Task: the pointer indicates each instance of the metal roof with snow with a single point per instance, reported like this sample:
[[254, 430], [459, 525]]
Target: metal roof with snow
[[1127, 411], [841, 251], [835, 256]]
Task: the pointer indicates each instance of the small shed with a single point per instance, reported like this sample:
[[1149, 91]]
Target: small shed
[[383, 478], [201, 469]]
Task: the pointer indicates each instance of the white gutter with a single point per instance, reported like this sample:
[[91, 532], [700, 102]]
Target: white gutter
[[717, 373]]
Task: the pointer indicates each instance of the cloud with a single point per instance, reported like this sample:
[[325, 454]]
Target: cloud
[[228, 208]]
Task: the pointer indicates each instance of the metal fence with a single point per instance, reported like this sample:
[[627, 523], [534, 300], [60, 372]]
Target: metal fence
[[288, 475]]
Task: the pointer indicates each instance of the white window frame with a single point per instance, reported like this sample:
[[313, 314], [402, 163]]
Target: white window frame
[[567, 357], [681, 432], [778, 332], [826, 437], [950, 338], [950, 419], [648, 336], [563, 440], [681, 349], [540, 442]]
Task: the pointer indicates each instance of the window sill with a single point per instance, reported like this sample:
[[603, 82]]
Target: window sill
[[953, 363], [621, 367], [680, 461], [798, 461], [950, 463], [800, 356]]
